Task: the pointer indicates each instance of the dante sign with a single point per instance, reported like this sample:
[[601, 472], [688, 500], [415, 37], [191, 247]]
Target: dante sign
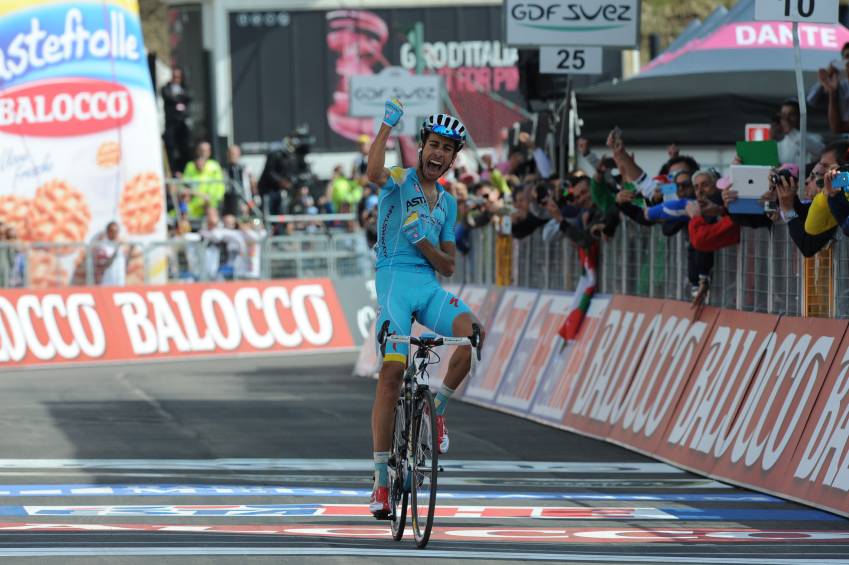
[[599, 23], [419, 93]]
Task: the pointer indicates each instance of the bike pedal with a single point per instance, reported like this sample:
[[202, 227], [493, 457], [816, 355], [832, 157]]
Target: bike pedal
[[382, 515]]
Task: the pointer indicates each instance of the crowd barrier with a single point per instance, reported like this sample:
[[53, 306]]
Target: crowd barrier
[[758, 400], [115, 324]]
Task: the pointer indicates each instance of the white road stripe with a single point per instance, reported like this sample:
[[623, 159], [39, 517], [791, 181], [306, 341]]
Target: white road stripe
[[462, 466], [375, 552]]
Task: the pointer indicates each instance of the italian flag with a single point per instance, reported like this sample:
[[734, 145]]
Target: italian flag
[[583, 294]]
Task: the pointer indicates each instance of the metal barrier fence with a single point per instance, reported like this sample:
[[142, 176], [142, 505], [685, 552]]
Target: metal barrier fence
[[186, 259], [765, 273]]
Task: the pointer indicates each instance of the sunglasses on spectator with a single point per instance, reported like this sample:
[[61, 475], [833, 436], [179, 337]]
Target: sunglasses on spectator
[[685, 183]]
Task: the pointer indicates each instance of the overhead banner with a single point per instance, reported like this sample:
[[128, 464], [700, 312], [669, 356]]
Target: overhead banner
[[79, 137]]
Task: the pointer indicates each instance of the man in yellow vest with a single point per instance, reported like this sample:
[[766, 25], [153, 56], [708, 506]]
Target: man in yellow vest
[[206, 181]]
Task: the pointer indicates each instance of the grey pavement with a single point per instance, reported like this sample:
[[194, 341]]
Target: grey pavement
[[89, 457]]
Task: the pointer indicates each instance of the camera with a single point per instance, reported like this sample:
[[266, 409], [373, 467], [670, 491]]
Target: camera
[[543, 191], [775, 178], [841, 181]]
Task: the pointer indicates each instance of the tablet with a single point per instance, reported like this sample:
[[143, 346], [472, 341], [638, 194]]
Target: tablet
[[750, 182]]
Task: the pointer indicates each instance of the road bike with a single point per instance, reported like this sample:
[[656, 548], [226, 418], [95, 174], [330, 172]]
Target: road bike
[[414, 458]]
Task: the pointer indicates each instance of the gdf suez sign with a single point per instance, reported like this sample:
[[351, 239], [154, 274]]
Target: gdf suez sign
[[597, 23], [810, 11], [570, 60]]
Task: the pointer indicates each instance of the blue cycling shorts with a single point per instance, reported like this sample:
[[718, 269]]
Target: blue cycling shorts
[[404, 294]]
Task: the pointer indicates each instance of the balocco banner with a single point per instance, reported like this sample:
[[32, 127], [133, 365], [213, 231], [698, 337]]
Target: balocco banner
[[79, 137], [155, 322], [758, 400]]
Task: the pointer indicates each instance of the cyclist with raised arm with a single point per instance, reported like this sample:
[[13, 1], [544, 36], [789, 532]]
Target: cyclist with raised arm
[[416, 218]]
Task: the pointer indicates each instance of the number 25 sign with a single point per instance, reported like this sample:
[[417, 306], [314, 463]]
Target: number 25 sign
[[809, 11]]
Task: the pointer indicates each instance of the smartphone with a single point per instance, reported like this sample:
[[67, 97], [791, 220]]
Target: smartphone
[[616, 134]]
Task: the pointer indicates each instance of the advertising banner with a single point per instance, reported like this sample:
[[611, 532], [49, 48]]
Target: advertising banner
[[771, 419], [581, 22], [501, 339], [538, 342], [79, 138], [137, 323], [565, 365], [703, 427], [819, 469], [614, 359], [463, 46]]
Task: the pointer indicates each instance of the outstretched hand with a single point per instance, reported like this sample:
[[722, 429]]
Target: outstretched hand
[[394, 109]]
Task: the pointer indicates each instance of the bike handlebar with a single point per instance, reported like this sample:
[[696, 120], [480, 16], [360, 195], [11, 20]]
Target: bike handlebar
[[429, 342]]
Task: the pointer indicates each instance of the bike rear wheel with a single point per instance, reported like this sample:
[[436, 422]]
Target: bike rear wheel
[[425, 466], [398, 495]]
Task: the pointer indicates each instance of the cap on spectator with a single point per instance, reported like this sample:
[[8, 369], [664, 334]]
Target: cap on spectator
[[792, 167], [364, 139], [723, 183]]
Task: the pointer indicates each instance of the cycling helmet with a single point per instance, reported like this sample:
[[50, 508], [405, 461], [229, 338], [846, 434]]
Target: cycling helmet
[[446, 126]]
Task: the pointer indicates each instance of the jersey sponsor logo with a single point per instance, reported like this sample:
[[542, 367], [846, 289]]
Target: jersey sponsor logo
[[417, 201], [455, 302]]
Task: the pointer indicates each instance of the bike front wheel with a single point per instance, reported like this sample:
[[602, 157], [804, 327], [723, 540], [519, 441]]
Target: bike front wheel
[[424, 466], [398, 493]]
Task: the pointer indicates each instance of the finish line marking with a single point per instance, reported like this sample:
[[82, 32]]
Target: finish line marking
[[442, 512], [402, 553], [264, 490], [457, 466], [542, 535]]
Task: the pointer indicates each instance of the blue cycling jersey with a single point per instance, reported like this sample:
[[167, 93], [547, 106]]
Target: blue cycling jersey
[[401, 196]]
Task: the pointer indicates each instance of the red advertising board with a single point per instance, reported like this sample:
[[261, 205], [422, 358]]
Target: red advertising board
[[818, 471], [121, 323], [501, 339], [733, 351], [538, 342], [612, 362], [565, 365], [675, 338], [780, 398]]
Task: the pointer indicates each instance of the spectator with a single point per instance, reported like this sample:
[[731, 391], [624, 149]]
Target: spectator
[[832, 90], [361, 160], [789, 148], [17, 258], [340, 189], [250, 264], [241, 189], [111, 256], [795, 212], [589, 226], [207, 181], [276, 181], [587, 160], [177, 134]]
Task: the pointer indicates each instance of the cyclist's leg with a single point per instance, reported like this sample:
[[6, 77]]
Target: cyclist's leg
[[446, 314], [394, 308]]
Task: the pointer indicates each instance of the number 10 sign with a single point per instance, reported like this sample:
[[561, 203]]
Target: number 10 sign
[[570, 60], [810, 11]]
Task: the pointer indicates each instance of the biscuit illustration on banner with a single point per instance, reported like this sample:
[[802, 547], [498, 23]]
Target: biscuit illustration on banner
[[141, 203], [108, 154], [44, 270], [14, 211], [59, 214]]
